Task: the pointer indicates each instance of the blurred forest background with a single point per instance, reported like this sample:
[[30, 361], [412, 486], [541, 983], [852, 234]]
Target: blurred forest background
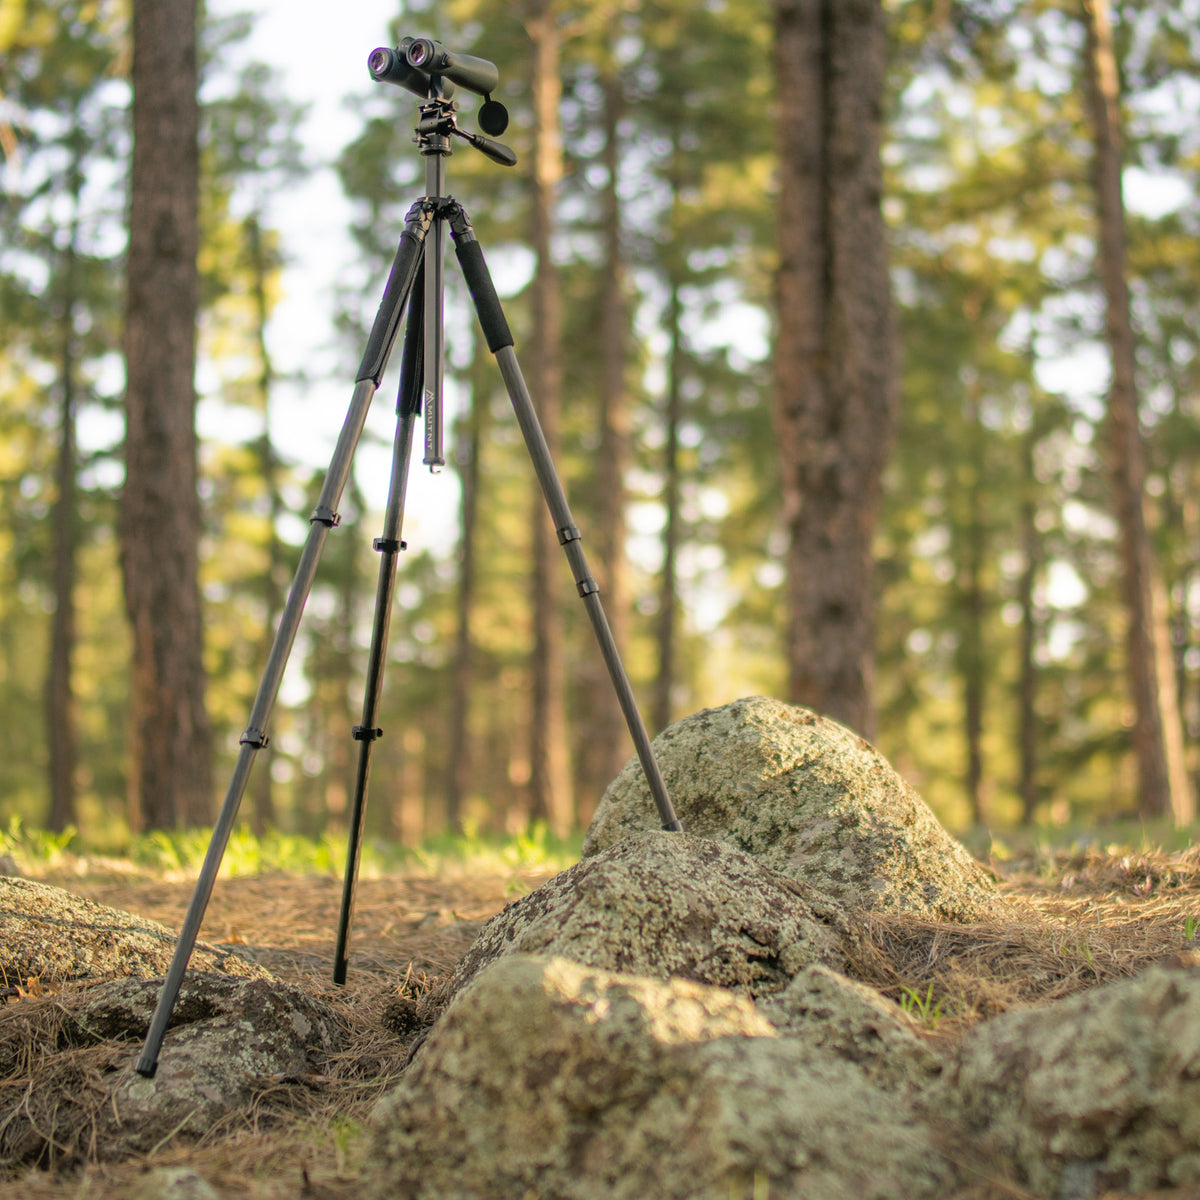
[[647, 199]]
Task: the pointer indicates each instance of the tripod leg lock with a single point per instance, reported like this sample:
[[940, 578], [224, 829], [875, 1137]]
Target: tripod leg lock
[[587, 587], [364, 734], [254, 737], [389, 545], [326, 516], [568, 533]]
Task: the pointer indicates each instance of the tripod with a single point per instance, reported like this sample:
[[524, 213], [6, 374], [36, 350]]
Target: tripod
[[418, 265]]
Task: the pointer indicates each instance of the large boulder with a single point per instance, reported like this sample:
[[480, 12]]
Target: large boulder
[[56, 937], [808, 798], [1098, 1092], [668, 904], [71, 1093], [851, 1021], [552, 1079]]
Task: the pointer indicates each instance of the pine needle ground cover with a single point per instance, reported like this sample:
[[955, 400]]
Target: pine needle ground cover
[[1085, 915]]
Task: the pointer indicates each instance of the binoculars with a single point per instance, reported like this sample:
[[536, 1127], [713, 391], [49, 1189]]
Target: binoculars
[[427, 69], [417, 61]]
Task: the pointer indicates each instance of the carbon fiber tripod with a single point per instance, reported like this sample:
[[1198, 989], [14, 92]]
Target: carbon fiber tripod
[[425, 68]]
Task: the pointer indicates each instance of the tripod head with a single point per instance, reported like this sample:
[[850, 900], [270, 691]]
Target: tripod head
[[427, 69]]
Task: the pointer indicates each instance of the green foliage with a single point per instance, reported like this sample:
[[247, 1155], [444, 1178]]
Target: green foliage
[[34, 849], [922, 1006], [181, 852], [999, 606]]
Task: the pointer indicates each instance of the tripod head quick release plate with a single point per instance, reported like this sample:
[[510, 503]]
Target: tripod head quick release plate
[[427, 69]]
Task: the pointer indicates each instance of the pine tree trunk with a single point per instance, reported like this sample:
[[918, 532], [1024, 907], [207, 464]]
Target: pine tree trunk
[[604, 745], [668, 608], [458, 745], [160, 514], [263, 812], [60, 705], [1027, 723], [836, 395], [1163, 786], [972, 656], [551, 797]]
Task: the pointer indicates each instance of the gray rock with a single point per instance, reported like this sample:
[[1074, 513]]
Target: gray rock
[[809, 798], [666, 904], [833, 1015], [551, 1079], [52, 935], [174, 1183], [1095, 1093], [230, 1039]]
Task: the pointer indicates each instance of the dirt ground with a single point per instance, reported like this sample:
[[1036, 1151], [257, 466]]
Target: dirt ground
[[1083, 918]]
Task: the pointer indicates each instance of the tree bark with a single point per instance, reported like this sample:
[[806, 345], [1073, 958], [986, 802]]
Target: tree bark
[[60, 704], [668, 604], [835, 385], [972, 655], [160, 513], [1027, 686], [458, 743], [605, 746], [274, 591], [551, 794], [1163, 786]]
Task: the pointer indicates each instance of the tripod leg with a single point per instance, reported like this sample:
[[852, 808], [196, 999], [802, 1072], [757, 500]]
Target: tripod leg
[[389, 546], [500, 342], [324, 518]]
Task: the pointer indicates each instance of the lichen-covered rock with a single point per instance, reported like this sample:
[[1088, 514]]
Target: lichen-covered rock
[[1095, 1093], [173, 1183], [833, 1015], [54, 936], [669, 904], [71, 1092], [809, 798], [547, 1078]]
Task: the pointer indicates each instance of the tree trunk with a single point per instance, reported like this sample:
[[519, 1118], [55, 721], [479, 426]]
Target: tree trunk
[[668, 606], [160, 513], [60, 705], [551, 796], [836, 395], [1027, 723], [604, 745], [1163, 787], [458, 744], [274, 592], [972, 657]]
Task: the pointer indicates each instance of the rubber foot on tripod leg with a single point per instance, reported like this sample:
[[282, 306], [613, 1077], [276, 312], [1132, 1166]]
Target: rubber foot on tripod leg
[[675, 826]]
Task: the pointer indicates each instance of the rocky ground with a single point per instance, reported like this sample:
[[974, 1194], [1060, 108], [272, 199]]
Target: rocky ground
[[814, 992]]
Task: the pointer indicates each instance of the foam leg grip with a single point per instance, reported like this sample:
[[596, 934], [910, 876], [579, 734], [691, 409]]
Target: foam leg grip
[[483, 293]]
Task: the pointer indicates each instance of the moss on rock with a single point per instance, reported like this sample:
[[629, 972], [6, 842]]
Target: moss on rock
[[57, 937], [665, 904], [1098, 1092], [551, 1078], [808, 798]]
